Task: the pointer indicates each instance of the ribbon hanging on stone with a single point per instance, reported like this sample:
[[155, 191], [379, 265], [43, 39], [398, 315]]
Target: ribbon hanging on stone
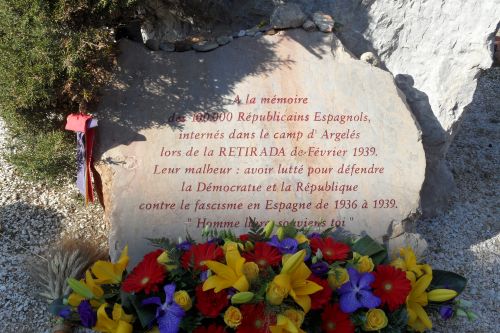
[[84, 126]]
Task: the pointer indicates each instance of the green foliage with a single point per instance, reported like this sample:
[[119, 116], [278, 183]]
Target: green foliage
[[447, 280], [366, 246], [54, 56]]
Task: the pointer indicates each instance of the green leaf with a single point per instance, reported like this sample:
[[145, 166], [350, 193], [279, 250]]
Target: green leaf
[[447, 280], [367, 246], [80, 288], [145, 314]]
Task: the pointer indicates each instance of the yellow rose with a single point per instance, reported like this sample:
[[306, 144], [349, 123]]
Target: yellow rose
[[297, 317], [338, 277], [251, 271], [364, 264], [182, 298], [232, 317], [276, 294], [375, 320]]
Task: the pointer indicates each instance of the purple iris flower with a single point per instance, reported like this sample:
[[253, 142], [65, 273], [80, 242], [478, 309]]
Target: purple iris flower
[[286, 246], [446, 312], [204, 276], [184, 246], [65, 312], [88, 317], [314, 235], [356, 293], [320, 268], [169, 314]]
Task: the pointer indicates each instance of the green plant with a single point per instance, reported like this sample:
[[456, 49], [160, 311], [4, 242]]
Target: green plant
[[54, 57]]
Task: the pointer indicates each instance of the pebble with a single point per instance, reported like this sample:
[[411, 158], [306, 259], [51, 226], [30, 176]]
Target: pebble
[[153, 44], [205, 46], [223, 40], [309, 26], [167, 47], [323, 21]]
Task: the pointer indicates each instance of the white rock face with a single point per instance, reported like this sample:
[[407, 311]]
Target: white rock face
[[436, 50]]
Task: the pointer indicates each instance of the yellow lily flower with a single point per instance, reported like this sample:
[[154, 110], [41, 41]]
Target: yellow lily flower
[[416, 301], [285, 325], [119, 323], [229, 275], [300, 238], [293, 281], [93, 292], [109, 273], [408, 263]]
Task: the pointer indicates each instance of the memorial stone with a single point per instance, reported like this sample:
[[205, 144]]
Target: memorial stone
[[288, 127]]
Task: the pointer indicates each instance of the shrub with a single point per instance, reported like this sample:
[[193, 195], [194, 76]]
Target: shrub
[[54, 56]]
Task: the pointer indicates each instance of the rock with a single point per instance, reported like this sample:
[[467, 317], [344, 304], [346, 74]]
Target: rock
[[153, 44], [183, 46], [370, 58], [415, 241], [270, 32], [258, 34], [167, 47], [205, 46], [242, 33], [223, 40], [252, 32], [442, 54], [152, 119], [309, 26], [323, 21], [287, 16]]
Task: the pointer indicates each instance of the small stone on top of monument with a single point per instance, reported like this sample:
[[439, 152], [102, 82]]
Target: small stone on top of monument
[[205, 46], [287, 16], [323, 21], [309, 26]]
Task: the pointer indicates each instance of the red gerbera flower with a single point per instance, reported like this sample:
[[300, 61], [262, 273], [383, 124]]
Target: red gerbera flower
[[197, 254], [213, 328], [334, 320], [391, 285], [331, 249], [209, 303], [146, 276], [320, 298], [263, 255], [244, 238], [255, 319]]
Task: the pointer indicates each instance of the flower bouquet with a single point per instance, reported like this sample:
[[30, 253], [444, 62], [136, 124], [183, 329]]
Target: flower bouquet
[[291, 280]]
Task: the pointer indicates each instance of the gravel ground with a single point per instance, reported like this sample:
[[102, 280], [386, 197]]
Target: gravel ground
[[465, 240]]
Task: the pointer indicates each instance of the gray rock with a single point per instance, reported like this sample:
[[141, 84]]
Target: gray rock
[[442, 57], [223, 40], [309, 26], [242, 33], [370, 58], [287, 16], [168, 47], [183, 46], [205, 46], [323, 21], [153, 44]]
